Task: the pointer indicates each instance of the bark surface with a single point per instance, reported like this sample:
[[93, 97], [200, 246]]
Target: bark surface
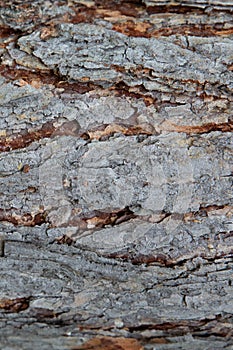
[[116, 174]]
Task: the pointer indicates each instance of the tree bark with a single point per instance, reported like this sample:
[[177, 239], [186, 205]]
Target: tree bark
[[116, 174]]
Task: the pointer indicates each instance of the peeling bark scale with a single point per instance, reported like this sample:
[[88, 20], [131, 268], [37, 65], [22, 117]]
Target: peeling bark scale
[[116, 174]]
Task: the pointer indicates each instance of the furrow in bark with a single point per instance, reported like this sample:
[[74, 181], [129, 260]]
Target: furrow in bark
[[143, 29], [14, 305], [16, 218], [25, 138]]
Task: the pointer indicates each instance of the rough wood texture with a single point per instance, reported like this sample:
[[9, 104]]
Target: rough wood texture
[[116, 175]]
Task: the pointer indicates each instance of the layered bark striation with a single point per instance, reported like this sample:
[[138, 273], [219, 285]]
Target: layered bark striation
[[116, 174]]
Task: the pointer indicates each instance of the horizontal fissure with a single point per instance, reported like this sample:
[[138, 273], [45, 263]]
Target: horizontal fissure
[[47, 130], [38, 78], [14, 305], [100, 219], [17, 218], [104, 132], [145, 29]]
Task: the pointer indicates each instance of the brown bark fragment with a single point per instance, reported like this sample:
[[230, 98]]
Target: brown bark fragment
[[17, 218], [14, 305], [205, 128], [24, 139], [108, 343]]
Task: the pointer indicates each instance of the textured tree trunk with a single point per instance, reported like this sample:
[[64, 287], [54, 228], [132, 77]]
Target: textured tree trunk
[[116, 174]]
